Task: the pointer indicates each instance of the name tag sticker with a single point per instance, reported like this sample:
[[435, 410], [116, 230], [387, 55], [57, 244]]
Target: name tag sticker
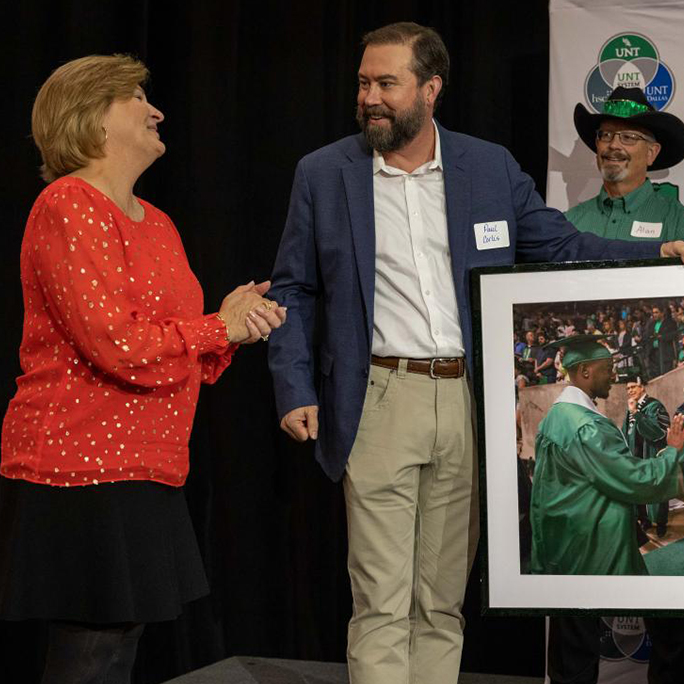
[[492, 235], [646, 230]]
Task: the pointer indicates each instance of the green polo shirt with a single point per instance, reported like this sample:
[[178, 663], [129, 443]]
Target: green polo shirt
[[643, 214]]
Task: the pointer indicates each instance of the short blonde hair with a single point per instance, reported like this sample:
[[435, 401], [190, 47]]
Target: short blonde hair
[[68, 111]]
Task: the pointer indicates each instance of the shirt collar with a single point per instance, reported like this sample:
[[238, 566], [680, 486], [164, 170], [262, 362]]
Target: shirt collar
[[630, 202], [574, 395], [379, 163]]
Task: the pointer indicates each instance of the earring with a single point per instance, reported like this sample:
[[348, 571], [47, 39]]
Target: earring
[[105, 130]]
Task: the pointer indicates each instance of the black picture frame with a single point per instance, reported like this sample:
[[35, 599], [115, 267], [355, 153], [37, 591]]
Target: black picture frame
[[495, 291]]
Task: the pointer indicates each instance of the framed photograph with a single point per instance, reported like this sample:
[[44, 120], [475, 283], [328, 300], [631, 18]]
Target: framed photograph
[[581, 490]]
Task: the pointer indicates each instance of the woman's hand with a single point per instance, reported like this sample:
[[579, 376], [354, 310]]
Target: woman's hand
[[262, 321], [248, 316]]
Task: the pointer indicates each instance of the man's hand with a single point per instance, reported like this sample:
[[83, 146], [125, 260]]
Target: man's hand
[[632, 405], [301, 423], [248, 316], [675, 433], [672, 249]]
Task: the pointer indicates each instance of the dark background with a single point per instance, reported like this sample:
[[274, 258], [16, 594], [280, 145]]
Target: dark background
[[247, 89]]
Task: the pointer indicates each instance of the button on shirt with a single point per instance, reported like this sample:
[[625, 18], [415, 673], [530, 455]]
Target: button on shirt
[[416, 315], [618, 218]]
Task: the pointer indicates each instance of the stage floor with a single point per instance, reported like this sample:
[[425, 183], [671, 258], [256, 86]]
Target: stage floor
[[243, 670]]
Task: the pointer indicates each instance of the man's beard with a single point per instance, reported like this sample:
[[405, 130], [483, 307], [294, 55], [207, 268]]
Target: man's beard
[[603, 391], [613, 173], [403, 128]]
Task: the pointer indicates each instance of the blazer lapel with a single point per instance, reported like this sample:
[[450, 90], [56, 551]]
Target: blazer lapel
[[458, 205], [358, 184]]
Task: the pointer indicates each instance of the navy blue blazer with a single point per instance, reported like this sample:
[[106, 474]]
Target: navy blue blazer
[[325, 268]]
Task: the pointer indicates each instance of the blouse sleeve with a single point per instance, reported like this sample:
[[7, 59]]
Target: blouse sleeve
[[82, 269], [213, 364]]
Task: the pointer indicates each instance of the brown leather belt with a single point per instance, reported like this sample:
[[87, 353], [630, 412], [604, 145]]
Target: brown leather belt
[[435, 368]]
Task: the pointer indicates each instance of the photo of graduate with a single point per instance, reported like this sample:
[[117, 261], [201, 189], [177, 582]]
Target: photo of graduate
[[586, 481], [600, 486]]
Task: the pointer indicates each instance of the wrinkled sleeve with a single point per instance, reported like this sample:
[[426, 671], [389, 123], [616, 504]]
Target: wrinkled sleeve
[[214, 364], [652, 423], [295, 285], [79, 258], [675, 221], [605, 459]]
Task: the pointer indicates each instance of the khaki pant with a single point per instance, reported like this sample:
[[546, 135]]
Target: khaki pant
[[411, 496]]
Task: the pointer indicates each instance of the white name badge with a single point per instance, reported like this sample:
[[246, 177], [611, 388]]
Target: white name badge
[[492, 235], [646, 230]]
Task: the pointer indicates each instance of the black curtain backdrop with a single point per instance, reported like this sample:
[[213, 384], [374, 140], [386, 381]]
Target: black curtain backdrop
[[247, 89]]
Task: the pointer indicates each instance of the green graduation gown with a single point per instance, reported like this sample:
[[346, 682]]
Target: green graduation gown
[[646, 437], [586, 484]]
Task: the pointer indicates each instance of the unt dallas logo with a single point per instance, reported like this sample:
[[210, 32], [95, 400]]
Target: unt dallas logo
[[632, 61]]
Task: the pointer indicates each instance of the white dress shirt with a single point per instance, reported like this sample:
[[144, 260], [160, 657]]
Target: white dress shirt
[[416, 314]]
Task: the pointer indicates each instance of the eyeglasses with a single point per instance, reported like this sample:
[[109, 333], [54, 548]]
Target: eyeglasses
[[627, 138]]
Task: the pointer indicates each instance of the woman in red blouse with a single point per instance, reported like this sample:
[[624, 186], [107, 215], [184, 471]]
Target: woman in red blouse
[[94, 531]]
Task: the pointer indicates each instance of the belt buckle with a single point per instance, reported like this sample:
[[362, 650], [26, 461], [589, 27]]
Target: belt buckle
[[432, 367]]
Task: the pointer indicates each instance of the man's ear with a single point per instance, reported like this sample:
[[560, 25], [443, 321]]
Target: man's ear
[[653, 151], [434, 86]]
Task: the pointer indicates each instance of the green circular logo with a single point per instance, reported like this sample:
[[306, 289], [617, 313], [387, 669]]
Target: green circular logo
[[630, 60]]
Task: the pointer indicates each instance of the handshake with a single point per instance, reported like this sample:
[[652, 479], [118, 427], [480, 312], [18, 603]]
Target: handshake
[[248, 316]]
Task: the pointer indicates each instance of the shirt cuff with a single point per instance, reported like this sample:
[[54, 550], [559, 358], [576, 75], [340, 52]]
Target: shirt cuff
[[211, 335]]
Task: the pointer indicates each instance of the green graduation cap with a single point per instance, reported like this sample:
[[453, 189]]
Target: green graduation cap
[[579, 348]]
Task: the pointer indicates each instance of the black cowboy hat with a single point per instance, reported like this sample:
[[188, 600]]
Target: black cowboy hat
[[631, 103]]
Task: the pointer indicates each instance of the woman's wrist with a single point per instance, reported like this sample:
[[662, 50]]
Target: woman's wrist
[[225, 324]]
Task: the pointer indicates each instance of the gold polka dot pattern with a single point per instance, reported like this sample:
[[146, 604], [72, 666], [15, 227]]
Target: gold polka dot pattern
[[114, 345]]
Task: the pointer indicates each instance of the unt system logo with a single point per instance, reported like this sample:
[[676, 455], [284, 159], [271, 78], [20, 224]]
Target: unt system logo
[[630, 60], [624, 638]]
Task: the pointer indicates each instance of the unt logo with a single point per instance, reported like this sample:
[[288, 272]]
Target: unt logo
[[627, 52], [630, 60], [631, 77]]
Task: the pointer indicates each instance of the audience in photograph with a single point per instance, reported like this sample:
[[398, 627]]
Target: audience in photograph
[[544, 369], [660, 334], [643, 336]]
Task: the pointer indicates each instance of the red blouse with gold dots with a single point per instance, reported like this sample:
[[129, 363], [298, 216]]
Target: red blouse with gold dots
[[114, 345]]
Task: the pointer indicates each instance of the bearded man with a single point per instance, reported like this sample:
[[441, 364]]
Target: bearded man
[[631, 138], [373, 265]]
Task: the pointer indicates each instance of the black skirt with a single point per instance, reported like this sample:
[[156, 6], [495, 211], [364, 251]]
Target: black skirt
[[114, 552]]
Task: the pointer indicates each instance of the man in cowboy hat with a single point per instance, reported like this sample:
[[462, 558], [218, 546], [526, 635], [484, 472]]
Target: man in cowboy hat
[[630, 138], [586, 475]]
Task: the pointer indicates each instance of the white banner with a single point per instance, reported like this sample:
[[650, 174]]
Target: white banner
[[595, 46]]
